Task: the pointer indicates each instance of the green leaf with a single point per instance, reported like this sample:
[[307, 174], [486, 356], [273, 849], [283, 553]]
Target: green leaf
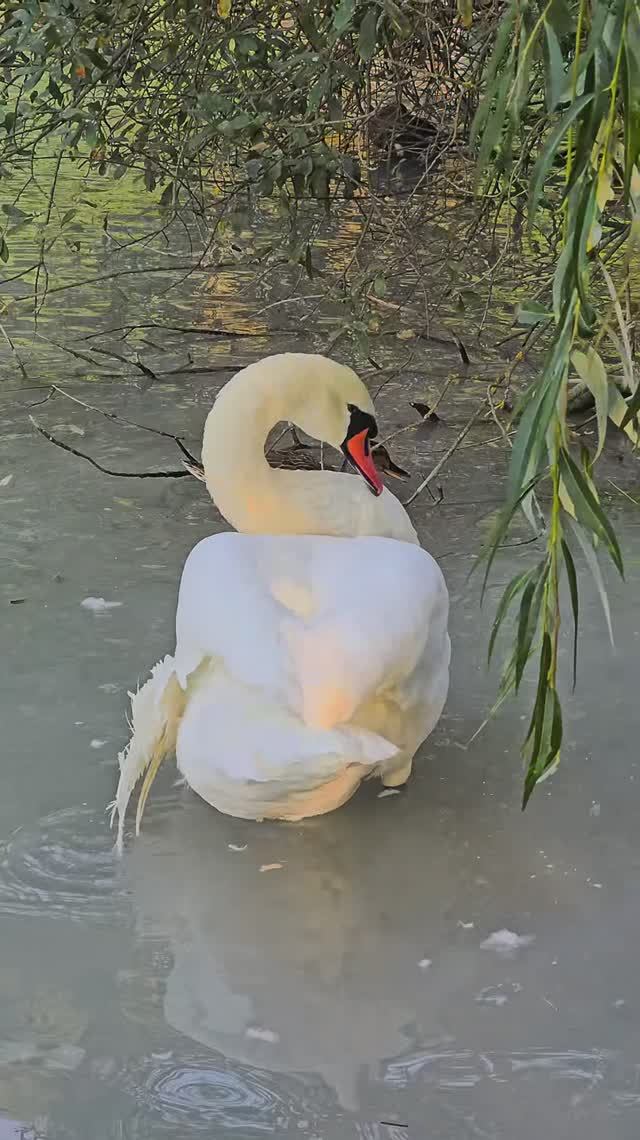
[[166, 198], [530, 439], [500, 529], [367, 36], [619, 415], [95, 59], [305, 14], [554, 69], [532, 313], [503, 40], [491, 132], [465, 12], [544, 760], [400, 22], [528, 619], [592, 372], [515, 586], [631, 95], [67, 217], [343, 15], [594, 566], [14, 213], [543, 165], [4, 249], [536, 724], [572, 579], [588, 510]]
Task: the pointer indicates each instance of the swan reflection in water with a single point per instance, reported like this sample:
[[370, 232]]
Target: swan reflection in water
[[299, 954], [291, 948]]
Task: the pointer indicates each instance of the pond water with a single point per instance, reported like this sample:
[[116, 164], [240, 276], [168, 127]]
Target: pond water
[[356, 991]]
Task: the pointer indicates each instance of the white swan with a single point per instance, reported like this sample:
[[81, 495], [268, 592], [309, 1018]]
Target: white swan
[[311, 650]]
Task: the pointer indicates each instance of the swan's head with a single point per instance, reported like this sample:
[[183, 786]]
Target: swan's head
[[337, 409]]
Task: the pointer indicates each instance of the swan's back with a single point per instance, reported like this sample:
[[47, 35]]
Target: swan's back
[[303, 664], [291, 614]]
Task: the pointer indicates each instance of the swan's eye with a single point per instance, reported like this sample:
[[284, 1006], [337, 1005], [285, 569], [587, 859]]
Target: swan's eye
[[360, 421]]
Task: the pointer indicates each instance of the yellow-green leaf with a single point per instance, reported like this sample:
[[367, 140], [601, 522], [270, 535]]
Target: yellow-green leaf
[[465, 12], [592, 372], [618, 409], [224, 9]]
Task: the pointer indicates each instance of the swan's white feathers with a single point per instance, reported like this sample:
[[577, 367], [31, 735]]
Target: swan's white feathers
[[367, 614], [312, 648], [304, 663]]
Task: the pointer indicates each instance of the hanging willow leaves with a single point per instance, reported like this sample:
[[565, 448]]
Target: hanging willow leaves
[[543, 165], [582, 63]]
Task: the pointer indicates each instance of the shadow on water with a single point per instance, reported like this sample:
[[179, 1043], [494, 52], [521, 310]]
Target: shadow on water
[[344, 993]]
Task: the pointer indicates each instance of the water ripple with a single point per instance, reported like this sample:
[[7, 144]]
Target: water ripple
[[63, 866], [203, 1091], [595, 1074]]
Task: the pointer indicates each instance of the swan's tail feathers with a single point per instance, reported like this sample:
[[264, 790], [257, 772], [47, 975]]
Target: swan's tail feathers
[[156, 711]]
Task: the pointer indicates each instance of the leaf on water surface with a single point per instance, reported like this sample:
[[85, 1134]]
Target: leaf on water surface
[[532, 313], [424, 410], [271, 867], [386, 464]]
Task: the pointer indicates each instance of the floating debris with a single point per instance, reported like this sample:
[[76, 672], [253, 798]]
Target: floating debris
[[271, 867], [98, 605], [507, 942], [258, 1033]]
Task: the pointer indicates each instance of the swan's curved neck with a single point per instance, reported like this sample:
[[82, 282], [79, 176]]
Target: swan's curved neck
[[252, 496]]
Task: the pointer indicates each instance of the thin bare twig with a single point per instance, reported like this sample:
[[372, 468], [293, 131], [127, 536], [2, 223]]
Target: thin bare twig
[[123, 420], [106, 470], [448, 453]]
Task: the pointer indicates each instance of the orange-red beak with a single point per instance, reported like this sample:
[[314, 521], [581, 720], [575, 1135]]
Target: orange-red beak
[[358, 452]]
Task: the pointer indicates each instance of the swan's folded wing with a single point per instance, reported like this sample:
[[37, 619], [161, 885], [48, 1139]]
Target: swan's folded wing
[[319, 623], [382, 606]]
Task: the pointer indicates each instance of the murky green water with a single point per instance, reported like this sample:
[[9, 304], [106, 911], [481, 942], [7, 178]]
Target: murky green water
[[348, 994]]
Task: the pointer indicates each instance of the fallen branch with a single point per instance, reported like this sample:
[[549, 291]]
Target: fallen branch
[[106, 470], [123, 420]]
